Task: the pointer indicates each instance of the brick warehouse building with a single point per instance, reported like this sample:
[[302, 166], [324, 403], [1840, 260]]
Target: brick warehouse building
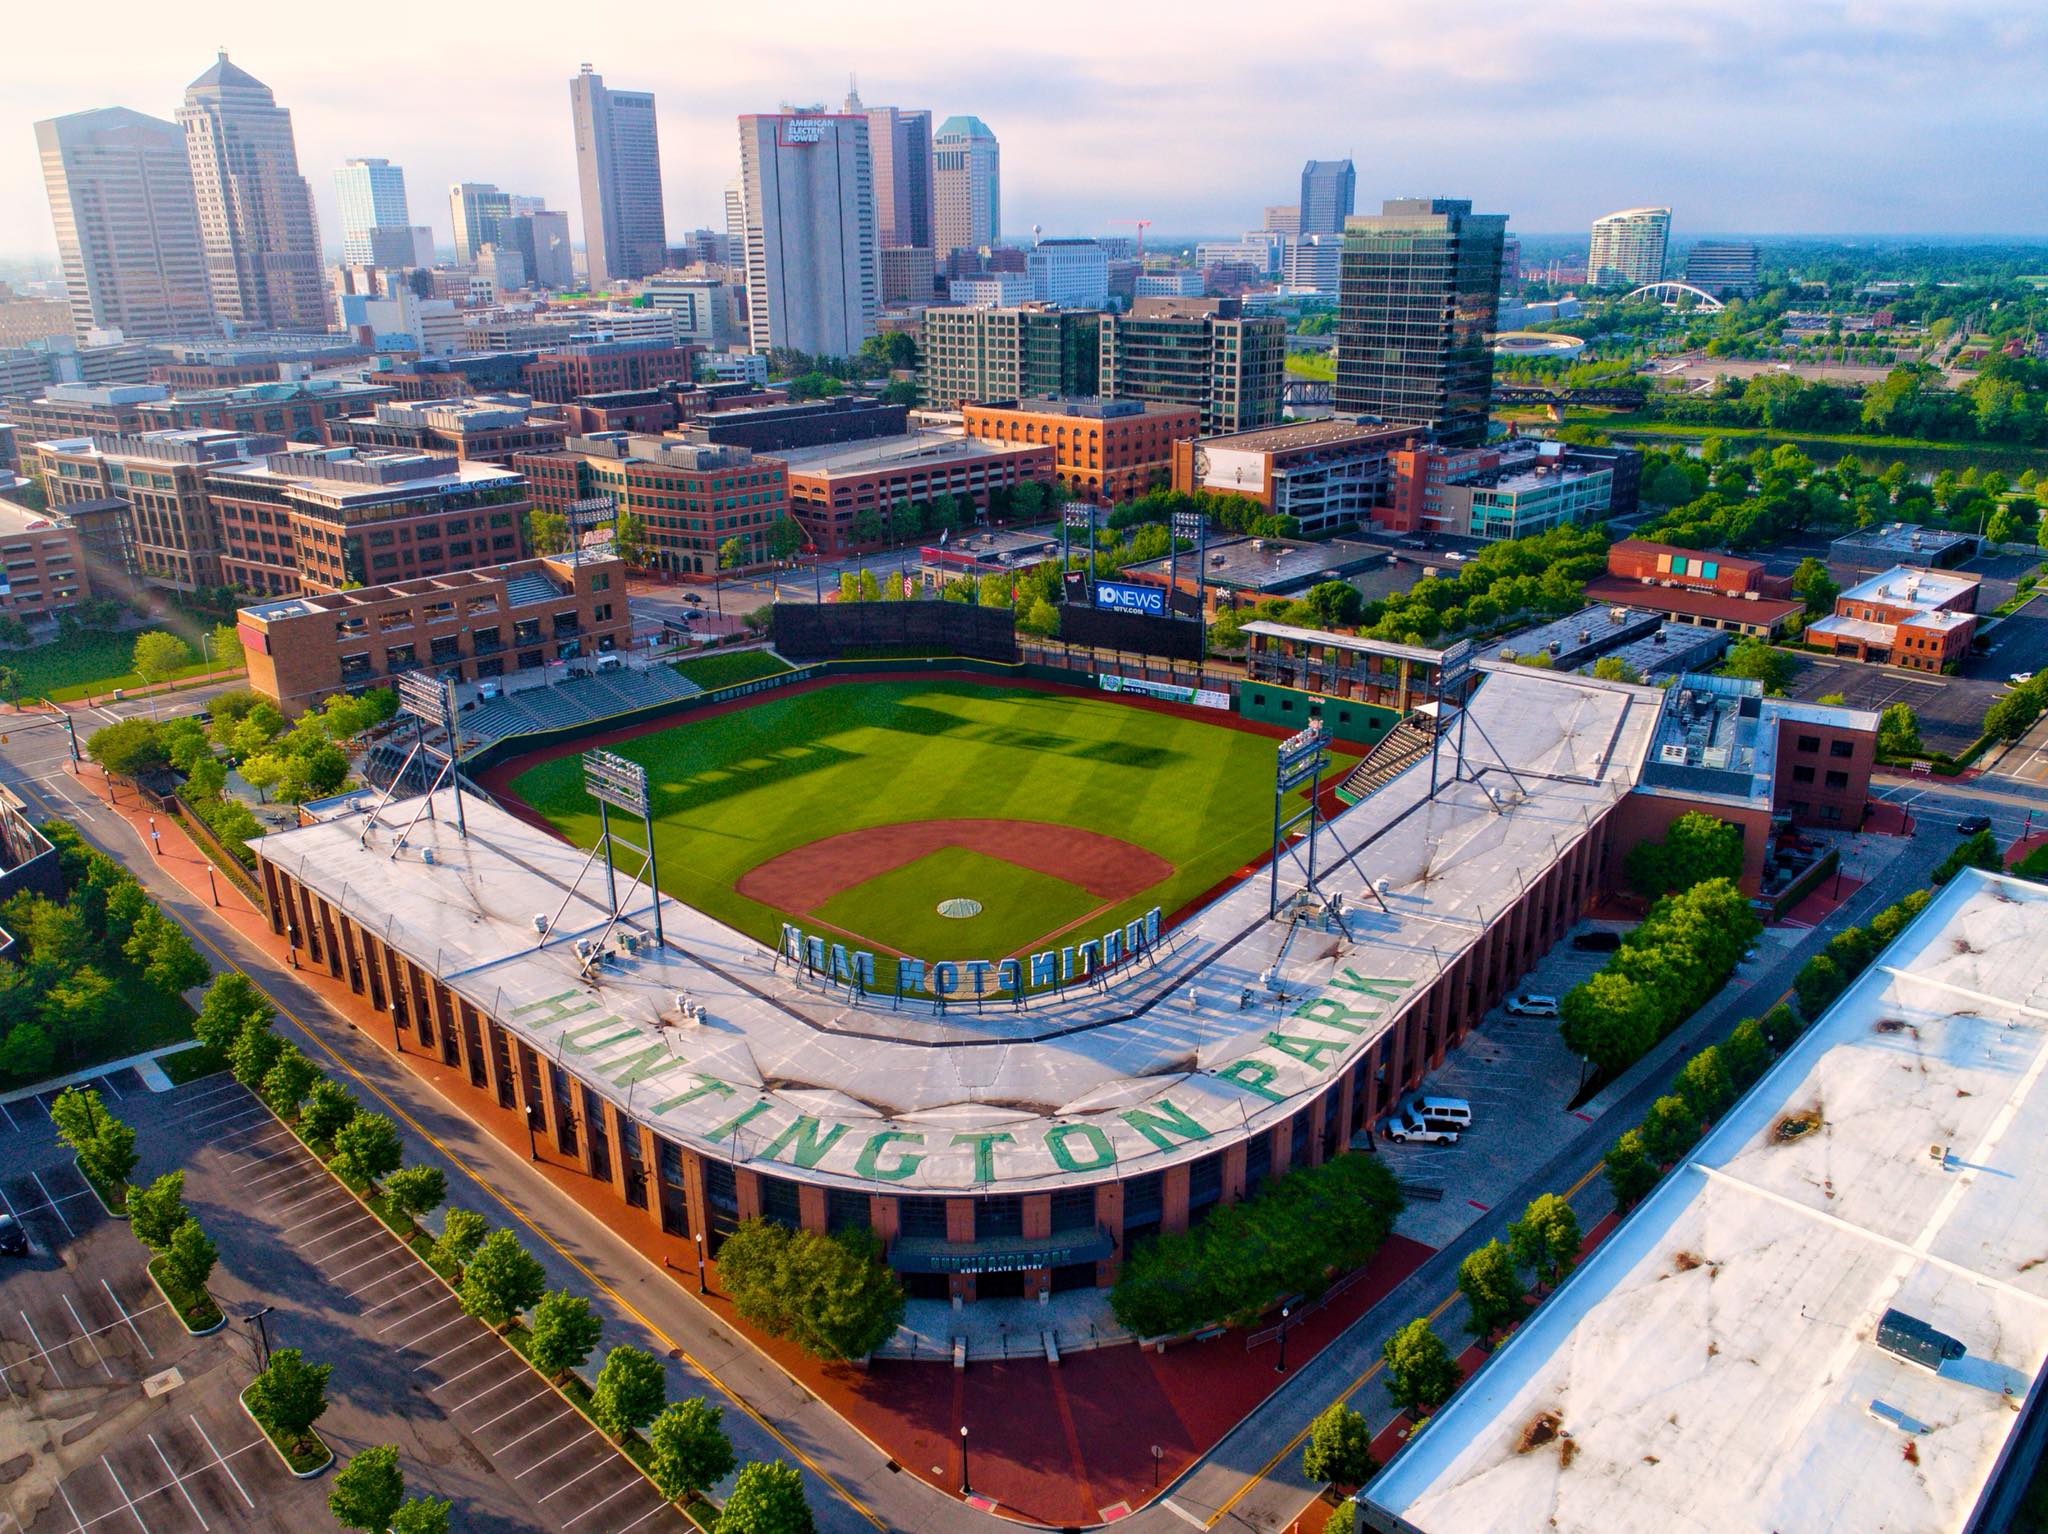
[[687, 1080], [1920, 619], [1103, 450], [831, 487]]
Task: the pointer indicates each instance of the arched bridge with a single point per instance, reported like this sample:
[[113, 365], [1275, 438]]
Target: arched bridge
[[1675, 295]]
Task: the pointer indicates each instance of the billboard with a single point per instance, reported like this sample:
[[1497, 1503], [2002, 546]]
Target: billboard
[[1123, 597], [1134, 633]]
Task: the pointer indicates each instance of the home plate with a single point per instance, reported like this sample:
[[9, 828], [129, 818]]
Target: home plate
[[981, 1503], [163, 1383]]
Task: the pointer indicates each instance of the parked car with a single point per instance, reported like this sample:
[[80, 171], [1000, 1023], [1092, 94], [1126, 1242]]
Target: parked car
[[13, 1239], [609, 663], [1970, 825], [693, 599], [1406, 1129], [2021, 678], [1533, 1006], [1598, 940], [1450, 1112]]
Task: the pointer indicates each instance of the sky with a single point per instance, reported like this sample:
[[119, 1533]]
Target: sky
[[1745, 116]]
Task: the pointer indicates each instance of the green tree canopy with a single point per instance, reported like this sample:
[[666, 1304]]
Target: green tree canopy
[[1546, 1237], [1898, 731], [501, 1279], [629, 1390], [328, 1107], [831, 1295], [462, 1232], [1816, 587], [422, 1515], [690, 1451], [564, 1330], [368, 1490], [768, 1498], [159, 655], [367, 1146], [1492, 1289], [156, 1212], [1630, 1172], [1421, 1374], [291, 1395], [415, 1190], [1339, 1448]]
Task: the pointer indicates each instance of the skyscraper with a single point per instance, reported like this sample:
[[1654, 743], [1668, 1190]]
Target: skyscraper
[[127, 227], [967, 204], [1629, 247], [900, 147], [542, 240], [255, 209], [476, 208], [1202, 352], [1419, 293], [618, 168], [372, 196], [1724, 268], [807, 185], [1329, 190]]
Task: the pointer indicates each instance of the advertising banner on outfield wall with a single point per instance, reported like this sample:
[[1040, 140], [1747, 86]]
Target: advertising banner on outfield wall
[[1201, 697]]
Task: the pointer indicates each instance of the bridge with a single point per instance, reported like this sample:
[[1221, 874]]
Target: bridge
[[1304, 391], [1676, 295], [1528, 394]]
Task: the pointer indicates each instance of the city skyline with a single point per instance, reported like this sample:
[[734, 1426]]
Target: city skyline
[[1511, 136]]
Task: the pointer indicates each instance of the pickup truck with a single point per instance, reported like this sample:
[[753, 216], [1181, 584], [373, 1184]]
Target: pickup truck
[[1407, 1128]]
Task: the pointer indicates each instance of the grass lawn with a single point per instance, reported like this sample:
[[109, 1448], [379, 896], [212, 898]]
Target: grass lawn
[[728, 668], [1018, 905], [1316, 367], [92, 662], [732, 791], [149, 1020]]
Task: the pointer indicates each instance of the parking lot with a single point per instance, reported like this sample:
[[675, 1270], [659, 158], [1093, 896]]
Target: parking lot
[[1950, 708], [111, 1416]]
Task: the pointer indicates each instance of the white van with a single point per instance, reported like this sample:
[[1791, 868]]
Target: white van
[[1453, 1111]]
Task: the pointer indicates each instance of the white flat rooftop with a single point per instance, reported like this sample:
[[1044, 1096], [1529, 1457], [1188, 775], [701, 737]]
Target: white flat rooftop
[[1075, 1086], [1910, 586], [1713, 1361]]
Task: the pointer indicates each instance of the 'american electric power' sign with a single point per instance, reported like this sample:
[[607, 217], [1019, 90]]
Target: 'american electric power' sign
[[969, 978]]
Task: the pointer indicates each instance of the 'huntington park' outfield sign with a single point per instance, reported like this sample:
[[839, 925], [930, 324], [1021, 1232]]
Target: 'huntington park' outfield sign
[[969, 978]]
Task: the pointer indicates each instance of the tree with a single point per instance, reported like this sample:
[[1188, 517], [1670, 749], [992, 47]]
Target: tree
[[501, 1279], [1704, 1084], [1043, 619], [462, 1232], [629, 539], [831, 1295], [1612, 668], [1979, 851], [224, 645], [768, 1498], [265, 771], [564, 1331], [129, 748], [290, 1077], [27, 1053], [1339, 1447], [290, 1395], [253, 1053], [13, 632], [368, 1490], [1780, 1026], [732, 554], [104, 1145], [415, 1190], [1696, 848], [1492, 1288], [1898, 731], [159, 655], [1746, 1053], [367, 1146], [1755, 660], [1421, 1374], [1812, 582], [1669, 1130], [784, 538], [690, 1451], [190, 1255], [547, 532], [1630, 1171], [165, 955], [328, 1108], [422, 1515], [629, 1390], [156, 1212], [1546, 1237]]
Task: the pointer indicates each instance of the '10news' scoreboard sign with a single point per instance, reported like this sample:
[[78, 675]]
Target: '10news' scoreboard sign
[[1122, 597], [968, 978]]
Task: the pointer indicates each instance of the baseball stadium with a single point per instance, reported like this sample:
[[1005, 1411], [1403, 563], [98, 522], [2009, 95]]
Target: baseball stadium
[[1013, 968]]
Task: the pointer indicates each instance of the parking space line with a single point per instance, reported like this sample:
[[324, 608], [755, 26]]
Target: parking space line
[[362, 1218], [39, 1346], [86, 1337], [586, 1475], [124, 1495], [245, 1113], [529, 1470], [479, 1427], [71, 1507], [549, 1421], [340, 1205], [308, 1175], [643, 1517], [373, 1283], [510, 1379], [10, 1119], [376, 1235], [108, 1083], [470, 1370], [68, 1230], [423, 1336], [126, 1317], [431, 1281], [407, 1320], [44, 1353], [220, 1460], [283, 1171], [178, 1480], [636, 1481]]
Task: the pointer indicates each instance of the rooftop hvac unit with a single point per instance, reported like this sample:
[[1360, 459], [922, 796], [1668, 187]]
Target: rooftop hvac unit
[[1750, 596], [1647, 580], [1382, 885], [540, 923], [1586, 635], [629, 942], [585, 947], [427, 856], [1914, 1340], [1617, 615]]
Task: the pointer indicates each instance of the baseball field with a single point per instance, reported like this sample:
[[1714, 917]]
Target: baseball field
[[862, 808]]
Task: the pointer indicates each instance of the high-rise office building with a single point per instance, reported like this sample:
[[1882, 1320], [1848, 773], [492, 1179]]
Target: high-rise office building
[[476, 208], [255, 209], [1329, 189], [542, 240], [807, 182], [372, 196], [618, 169], [972, 353], [1629, 247], [1724, 268], [967, 204], [1282, 218], [1072, 274], [127, 227], [1419, 294], [1201, 352], [900, 148]]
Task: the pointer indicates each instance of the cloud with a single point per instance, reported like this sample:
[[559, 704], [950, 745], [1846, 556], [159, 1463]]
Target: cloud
[[1758, 115]]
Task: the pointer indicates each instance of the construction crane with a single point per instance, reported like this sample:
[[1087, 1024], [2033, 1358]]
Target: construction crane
[[1143, 224]]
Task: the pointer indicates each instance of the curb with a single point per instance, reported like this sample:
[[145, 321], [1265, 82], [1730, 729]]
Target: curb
[[299, 1475], [112, 1212], [150, 1268]]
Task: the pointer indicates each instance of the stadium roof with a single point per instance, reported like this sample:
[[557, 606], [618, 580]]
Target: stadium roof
[[1713, 1364], [1075, 1086]]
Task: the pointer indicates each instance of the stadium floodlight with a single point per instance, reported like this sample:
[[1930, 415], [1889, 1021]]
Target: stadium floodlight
[[1078, 514], [426, 698], [1187, 524], [590, 512], [613, 780]]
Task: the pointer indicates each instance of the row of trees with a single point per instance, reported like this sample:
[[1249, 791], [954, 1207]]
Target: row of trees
[[1301, 1230], [88, 967], [1681, 954], [832, 1295]]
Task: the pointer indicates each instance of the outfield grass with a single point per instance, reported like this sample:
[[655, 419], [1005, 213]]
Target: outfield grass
[[734, 790], [728, 668]]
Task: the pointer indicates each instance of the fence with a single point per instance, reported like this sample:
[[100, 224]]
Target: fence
[[223, 856]]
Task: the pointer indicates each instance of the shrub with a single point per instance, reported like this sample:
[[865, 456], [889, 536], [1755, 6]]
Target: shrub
[[1339, 1447]]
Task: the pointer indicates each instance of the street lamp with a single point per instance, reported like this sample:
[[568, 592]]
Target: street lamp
[[1281, 1366], [966, 1490], [700, 1264], [532, 1115], [262, 1333], [1155, 1467]]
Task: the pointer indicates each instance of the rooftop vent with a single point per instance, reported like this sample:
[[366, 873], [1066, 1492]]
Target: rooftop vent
[[427, 856], [540, 923], [1915, 1341]]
